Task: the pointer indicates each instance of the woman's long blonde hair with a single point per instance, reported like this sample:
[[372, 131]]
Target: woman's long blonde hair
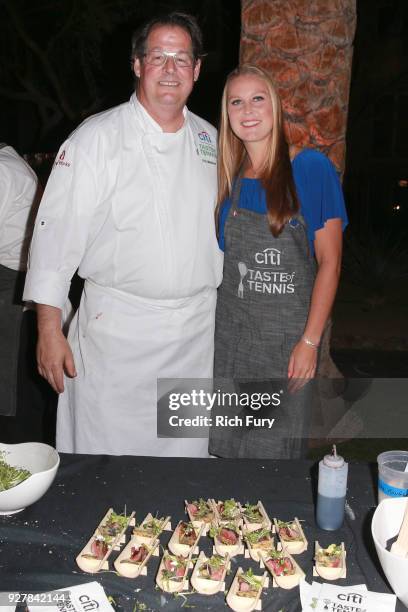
[[276, 173]]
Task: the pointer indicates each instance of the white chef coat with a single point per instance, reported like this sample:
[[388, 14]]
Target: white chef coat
[[18, 185], [133, 207]]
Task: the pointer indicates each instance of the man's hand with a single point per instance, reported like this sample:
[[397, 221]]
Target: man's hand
[[54, 356], [302, 365]]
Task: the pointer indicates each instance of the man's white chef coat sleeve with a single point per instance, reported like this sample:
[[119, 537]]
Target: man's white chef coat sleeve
[[62, 227], [5, 184]]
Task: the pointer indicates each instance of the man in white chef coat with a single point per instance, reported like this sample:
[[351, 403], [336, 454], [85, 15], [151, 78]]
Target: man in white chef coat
[[130, 203]]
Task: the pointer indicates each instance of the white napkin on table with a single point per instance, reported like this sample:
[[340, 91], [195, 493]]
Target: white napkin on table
[[86, 597], [323, 597]]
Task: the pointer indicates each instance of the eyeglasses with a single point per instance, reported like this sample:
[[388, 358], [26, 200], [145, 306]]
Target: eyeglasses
[[159, 58]]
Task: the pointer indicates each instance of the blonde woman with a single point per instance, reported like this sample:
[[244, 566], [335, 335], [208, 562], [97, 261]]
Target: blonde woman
[[280, 224]]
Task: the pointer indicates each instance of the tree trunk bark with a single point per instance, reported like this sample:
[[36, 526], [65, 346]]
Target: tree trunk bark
[[306, 46]]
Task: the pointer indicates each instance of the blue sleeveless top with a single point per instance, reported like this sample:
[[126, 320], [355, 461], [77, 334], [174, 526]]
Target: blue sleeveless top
[[318, 189]]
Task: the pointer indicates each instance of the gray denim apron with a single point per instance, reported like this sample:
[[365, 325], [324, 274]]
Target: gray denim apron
[[262, 308]]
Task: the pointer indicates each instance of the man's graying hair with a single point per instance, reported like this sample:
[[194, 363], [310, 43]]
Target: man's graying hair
[[174, 19]]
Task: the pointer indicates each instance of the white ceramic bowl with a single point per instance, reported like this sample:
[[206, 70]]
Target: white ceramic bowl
[[385, 525], [42, 461]]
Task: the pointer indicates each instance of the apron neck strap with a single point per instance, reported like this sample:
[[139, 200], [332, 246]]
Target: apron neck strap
[[236, 190]]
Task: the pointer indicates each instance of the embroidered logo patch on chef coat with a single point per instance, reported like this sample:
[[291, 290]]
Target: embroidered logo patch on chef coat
[[60, 161], [266, 275], [206, 149]]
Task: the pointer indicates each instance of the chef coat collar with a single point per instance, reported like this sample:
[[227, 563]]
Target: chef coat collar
[[148, 122]]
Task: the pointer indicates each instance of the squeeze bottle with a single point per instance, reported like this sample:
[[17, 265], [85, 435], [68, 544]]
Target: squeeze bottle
[[331, 491]]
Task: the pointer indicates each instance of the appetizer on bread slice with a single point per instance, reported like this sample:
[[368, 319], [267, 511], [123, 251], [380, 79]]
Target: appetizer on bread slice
[[260, 539], [184, 539], [246, 590], [330, 562], [255, 516], [108, 536], [151, 527], [227, 539], [200, 513], [285, 571], [291, 536], [132, 561], [172, 573], [209, 574]]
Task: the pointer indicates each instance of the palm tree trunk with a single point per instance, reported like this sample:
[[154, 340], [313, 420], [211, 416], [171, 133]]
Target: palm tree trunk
[[306, 45]]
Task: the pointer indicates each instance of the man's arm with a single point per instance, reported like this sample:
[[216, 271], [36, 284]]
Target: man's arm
[[58, 246], [54, 356]]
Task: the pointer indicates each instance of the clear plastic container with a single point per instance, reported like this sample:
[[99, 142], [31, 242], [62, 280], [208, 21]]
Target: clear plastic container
[[392, 474]]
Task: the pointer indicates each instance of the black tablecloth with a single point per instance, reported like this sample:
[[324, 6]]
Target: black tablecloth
[[38, 546]]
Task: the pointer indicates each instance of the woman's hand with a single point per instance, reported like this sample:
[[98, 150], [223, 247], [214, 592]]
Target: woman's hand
[[302, 365]]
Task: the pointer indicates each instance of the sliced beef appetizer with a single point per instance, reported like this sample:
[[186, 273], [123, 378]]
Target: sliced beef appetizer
[[260, 538], [330, 562], [200, 510], [291, 536], [187, 534], [151, 527], [246, 590], [227, 535], [228, 510], [279, 564], [213, 568], [99, 547], [252, 513], [330, 556], [288, 532], [108, 535], [137, 554]]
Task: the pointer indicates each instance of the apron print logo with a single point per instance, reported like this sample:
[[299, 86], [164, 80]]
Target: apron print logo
[[243, 271], [269, 256], [267, 275]]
